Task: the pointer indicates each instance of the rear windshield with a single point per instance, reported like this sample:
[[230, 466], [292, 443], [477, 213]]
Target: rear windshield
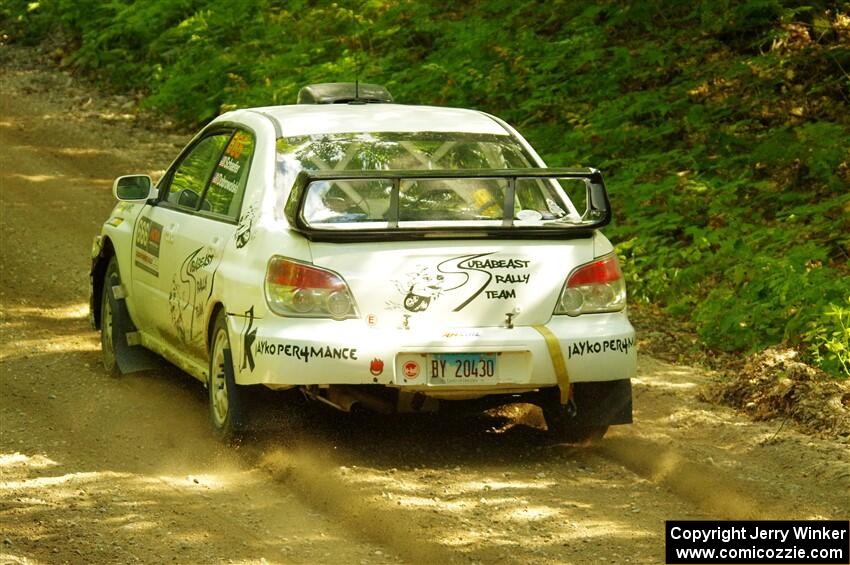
[[365, 203], [387, 150]]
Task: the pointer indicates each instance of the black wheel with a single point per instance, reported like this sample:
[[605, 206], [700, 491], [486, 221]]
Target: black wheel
[[107, 319], [561, 425], [229, 402]]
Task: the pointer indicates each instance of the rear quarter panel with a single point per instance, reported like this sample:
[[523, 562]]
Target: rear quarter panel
[[260, 233]]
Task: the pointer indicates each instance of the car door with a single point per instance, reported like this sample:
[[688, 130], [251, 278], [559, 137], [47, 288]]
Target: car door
[[159, 246], [203, 239]]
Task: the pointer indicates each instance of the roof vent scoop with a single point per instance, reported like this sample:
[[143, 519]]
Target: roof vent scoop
[[343, 93]]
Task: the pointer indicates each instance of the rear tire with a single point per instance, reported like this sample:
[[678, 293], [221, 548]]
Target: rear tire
[[229, 403], [560, 424], [107, 319]]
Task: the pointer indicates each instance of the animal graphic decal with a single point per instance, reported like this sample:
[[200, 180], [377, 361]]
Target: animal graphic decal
[[191, 288], [245, 226]]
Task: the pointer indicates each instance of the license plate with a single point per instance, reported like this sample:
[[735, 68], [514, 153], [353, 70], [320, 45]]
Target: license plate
[[460, 368]]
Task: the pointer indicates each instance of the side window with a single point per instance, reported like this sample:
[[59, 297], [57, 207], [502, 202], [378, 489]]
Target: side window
[[227, 185], [193, 172]]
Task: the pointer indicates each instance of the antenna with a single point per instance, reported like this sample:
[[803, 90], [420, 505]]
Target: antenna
[[357, 62]]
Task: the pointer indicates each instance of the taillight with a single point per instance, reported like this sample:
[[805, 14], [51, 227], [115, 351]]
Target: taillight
[[595, 287], [301, 290]]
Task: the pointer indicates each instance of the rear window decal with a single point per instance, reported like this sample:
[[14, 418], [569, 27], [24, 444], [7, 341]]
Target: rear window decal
[[237, 145]]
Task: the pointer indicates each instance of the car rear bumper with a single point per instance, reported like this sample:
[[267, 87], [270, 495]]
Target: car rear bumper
[[290, 351]]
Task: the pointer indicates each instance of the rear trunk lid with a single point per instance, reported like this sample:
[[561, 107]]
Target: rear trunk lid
[[454, 284]]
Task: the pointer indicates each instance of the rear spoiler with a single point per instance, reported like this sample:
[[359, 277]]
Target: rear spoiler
[[597, 215]]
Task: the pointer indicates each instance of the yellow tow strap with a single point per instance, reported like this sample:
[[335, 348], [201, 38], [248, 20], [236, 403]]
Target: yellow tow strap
[[558, 363]]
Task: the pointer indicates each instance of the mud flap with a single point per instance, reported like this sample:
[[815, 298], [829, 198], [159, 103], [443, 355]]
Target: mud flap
[[228, 365], [229, 372], [602, 403], [239, 397], [129, 358]]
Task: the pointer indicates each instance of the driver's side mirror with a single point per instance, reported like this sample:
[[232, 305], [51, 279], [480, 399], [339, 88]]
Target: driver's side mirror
[[132, 187]]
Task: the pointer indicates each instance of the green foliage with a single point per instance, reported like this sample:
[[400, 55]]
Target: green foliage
[[829, 339], [722, 127]]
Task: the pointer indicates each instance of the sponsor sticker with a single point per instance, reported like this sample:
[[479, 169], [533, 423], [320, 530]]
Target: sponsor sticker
[[582, 348], [304, 353], [148, 236], [410, 370]]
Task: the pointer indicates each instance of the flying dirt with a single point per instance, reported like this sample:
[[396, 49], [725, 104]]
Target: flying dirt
[[96, 469]]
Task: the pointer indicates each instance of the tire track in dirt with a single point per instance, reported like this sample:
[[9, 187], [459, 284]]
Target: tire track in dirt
[[311, 473], [306, 473], [455, 490], [712, 490]]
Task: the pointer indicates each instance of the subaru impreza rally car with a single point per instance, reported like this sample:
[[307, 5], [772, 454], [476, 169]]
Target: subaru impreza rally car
[[373, 255]]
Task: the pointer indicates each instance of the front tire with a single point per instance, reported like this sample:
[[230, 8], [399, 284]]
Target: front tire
[[229, 403]]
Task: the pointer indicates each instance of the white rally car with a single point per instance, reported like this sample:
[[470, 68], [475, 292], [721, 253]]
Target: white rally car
[[371, 254]]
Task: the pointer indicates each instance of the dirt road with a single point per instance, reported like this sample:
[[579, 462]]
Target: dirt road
[[101, 470]]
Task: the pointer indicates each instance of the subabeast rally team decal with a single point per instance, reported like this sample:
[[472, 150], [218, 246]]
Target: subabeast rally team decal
[[463, 278]]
